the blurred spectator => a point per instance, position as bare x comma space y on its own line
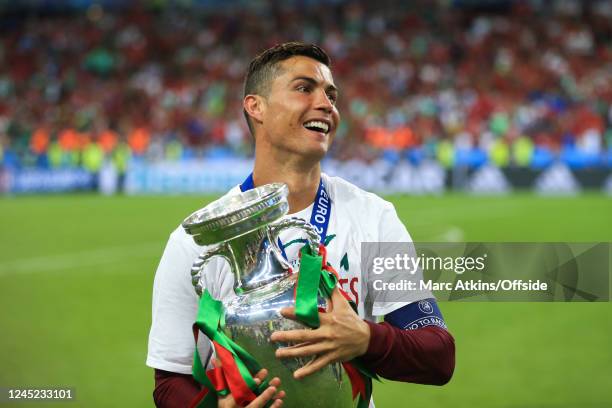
508, 81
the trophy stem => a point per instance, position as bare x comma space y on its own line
256, 260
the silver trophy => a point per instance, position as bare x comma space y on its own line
242, 228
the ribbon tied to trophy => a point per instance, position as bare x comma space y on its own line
236, 373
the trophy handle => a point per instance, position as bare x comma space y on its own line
221, 250
295, 222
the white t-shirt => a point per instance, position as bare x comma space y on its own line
356, 216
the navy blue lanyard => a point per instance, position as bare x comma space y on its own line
321, 210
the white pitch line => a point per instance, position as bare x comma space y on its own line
451, 234
80, 259
426, 217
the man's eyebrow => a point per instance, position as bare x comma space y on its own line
314, 82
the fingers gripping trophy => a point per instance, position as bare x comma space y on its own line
243, 229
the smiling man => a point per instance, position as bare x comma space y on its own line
290, 106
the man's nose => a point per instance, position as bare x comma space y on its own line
323, 102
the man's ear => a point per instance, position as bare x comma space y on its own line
254, 106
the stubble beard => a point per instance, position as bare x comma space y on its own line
297, 152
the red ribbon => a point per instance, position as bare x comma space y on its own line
357, 383
217, 378
327, 267
198, 398
240, 391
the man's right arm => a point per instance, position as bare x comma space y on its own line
175, 306
174, 390
171, 343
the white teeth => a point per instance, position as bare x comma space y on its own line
324, 127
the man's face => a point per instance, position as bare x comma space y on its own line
300, 115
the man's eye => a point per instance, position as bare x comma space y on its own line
332, 97
303, 88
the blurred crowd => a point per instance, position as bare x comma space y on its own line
522, 84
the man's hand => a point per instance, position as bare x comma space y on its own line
342, 336
260, 401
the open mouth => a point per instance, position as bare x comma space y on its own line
317, 126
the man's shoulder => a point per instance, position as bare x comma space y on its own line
183, 242
347, 193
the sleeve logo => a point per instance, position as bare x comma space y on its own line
425, 307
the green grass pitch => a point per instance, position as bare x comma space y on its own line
76, 275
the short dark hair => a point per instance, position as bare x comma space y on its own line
265, 67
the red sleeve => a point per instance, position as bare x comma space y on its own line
422, 356
174, 390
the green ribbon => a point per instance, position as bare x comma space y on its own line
309, 279
313, 281
211, 321
210, 400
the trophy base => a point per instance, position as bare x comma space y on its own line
330, 387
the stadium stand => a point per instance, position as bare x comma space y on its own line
513, 84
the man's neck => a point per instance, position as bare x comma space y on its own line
303, 181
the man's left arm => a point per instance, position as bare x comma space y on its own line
425, 355
412, 345
395, 349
